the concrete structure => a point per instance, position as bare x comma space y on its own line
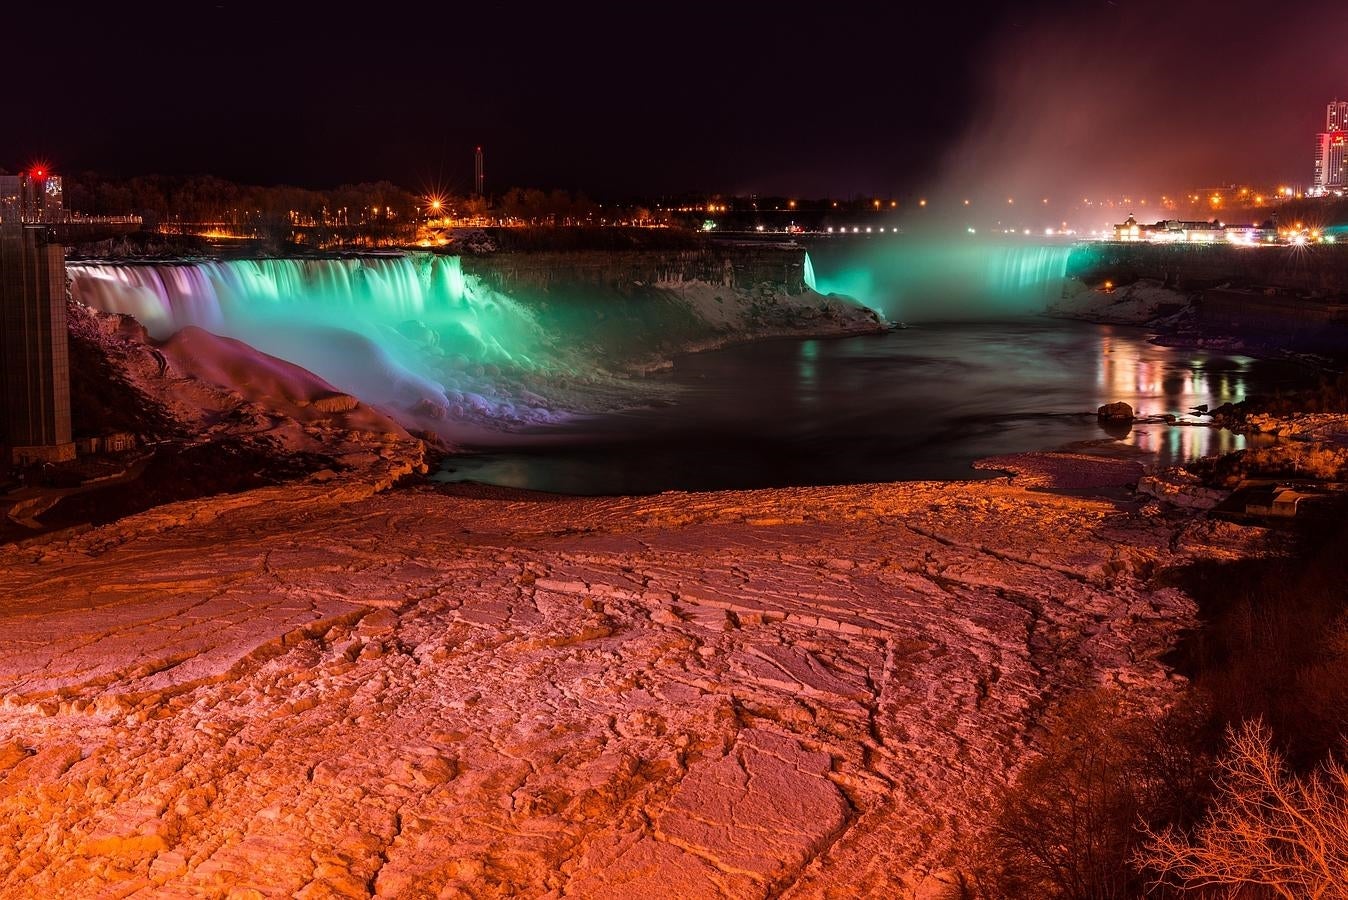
35, 196
34, 349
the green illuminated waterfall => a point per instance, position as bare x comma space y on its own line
931, 280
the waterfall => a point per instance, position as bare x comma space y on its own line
438, 347
943, 280
810, 281
413, 334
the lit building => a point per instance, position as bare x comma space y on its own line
1331, 151
1129, 230
34, 349
35, 196
1171, 231
1336, 116
1331, 162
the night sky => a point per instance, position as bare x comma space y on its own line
616, 100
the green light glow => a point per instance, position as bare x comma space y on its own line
930, 280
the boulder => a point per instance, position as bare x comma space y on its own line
1116, 412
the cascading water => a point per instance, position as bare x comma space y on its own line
442, 349
414, 334
930, 280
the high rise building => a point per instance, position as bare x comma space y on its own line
479, 174
34, 196
1336, 116
34, 348
1331, 165
1331, 162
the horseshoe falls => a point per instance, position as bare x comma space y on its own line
927, 280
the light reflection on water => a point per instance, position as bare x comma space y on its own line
915, 404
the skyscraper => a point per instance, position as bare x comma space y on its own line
34, 349
1331, 162
479, 174
1331, 146
1336, 116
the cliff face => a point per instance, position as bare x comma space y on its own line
1271, 297
762, 269
1320, 270
636, 309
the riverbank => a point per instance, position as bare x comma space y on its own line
310, 688
1267, 301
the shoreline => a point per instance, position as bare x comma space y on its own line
466, 611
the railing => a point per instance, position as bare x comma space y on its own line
76, 219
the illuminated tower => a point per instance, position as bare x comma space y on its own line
1331, 151
1336, 116
34, 349
479, 173
1331, 162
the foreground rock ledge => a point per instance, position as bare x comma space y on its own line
808, 692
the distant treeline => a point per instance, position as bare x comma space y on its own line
206, 199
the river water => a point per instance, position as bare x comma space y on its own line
920, 403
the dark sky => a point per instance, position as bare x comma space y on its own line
810, 98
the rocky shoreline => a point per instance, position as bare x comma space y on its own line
321, 687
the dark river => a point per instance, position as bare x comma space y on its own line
921, 403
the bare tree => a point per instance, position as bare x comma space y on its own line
1266, 828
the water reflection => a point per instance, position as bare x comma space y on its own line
919, 403
808, 377
1166, 378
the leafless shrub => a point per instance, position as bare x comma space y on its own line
1266, 828
1068, 828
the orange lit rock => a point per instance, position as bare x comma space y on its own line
318, 691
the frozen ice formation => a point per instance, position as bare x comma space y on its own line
315, 691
